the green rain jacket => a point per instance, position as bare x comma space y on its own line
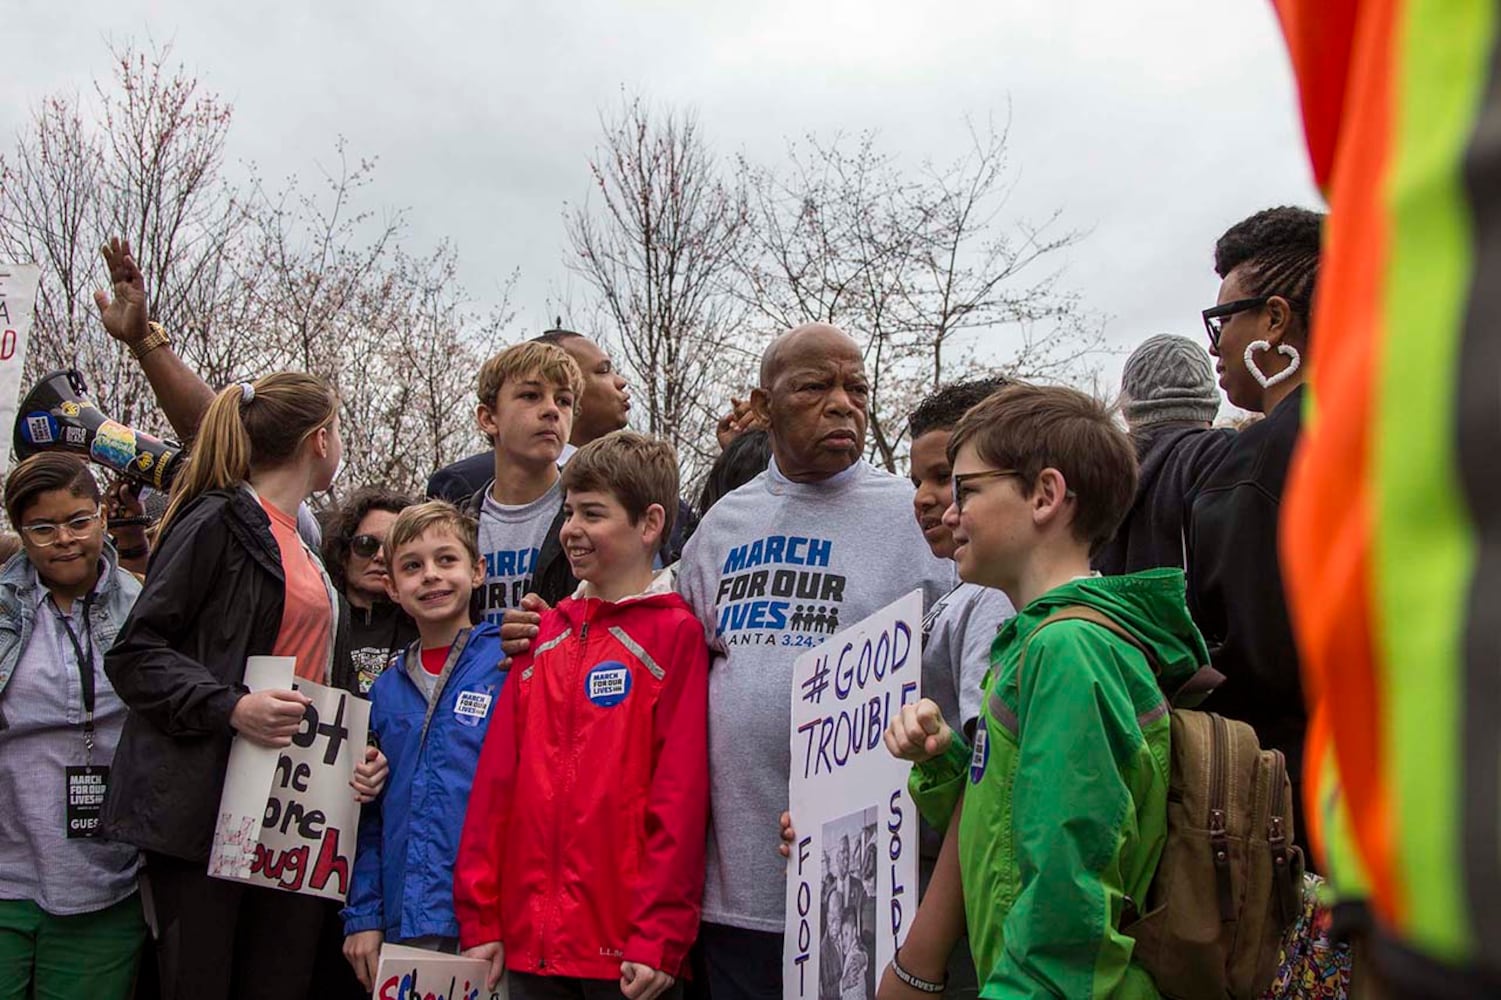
1065, 788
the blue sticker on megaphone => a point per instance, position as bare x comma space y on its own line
41, 428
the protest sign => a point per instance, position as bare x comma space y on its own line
852, 876
288, 818
414, 974
18, 284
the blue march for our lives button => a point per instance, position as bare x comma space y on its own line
608, 684
980, 756
41, 428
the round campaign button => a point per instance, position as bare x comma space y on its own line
608, 684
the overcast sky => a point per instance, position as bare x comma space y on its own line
1153, 125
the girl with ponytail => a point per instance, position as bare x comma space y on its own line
230, 579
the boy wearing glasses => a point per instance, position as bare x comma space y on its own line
1065, 781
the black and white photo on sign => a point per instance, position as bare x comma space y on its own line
847, 935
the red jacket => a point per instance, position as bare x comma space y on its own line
584, 842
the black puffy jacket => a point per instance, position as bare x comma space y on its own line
213, 598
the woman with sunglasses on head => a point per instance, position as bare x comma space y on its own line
1258, 334
70, 914
378, 628
230, 579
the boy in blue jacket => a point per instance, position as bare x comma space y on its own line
429, 710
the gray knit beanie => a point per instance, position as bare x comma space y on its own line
1169, 378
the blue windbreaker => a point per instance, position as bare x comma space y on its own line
409, 836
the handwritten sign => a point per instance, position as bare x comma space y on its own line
18, 285
414, 974
288, 818
852, 878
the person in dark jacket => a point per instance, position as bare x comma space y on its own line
230, 579
352, 552
1169, 399
1258, 333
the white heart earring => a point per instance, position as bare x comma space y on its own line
1287, 350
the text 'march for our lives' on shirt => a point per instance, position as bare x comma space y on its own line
780, 582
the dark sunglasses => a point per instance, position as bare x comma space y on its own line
1215, 317
365, 546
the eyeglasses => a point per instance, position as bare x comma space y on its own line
366, 546
45, 533
969, 477
1215, 317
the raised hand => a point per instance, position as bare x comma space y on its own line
123, 315
740, 419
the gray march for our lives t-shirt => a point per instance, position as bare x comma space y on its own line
510, 540
958, 632
774, 569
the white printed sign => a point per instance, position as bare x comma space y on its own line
288, 818
414, 974
18, 285
852, 877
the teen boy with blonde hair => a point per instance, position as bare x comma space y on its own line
528, 396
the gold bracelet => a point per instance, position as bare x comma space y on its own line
156, 338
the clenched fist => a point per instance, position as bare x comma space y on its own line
918, 733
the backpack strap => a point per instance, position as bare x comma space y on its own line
1200, 684
1186, 695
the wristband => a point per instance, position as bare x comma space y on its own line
156, 338
919, 984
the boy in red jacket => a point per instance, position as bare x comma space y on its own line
581, 866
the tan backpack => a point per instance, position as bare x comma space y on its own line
1229, 882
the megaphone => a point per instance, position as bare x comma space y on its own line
57, 415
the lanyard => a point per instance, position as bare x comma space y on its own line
931, 618
84, 655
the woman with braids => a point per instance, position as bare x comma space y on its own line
230, 579
352, 552
1258, 334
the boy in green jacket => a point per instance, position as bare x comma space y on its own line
1064, 780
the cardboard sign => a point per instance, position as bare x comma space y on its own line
18, 285
852, 877
288, 818
414, 974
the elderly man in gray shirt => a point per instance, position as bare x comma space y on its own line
814, 544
